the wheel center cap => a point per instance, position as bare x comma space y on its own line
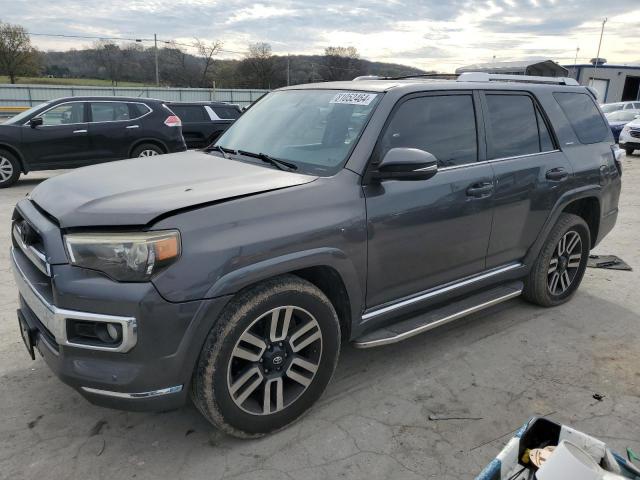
562, 264
274, 359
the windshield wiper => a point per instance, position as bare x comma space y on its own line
276, 162
220, 149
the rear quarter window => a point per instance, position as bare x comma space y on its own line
227, 112
583, 116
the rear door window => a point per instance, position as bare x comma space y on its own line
137, 110
190, 113
512, 122
109, 111
443, 125
584, 117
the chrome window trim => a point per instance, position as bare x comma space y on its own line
150, 394
212, 114
55, 319
150, 110
420, 297
495, 160
36, 256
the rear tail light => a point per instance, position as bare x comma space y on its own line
173, 121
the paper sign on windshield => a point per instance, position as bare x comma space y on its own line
353, 98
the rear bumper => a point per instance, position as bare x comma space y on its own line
153, 373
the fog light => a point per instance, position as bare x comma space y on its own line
113, 332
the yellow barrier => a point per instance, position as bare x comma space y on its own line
13, 109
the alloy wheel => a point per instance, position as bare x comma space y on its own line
564, 263
6, 169
148, 153
275, 360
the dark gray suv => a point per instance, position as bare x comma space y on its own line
363, 212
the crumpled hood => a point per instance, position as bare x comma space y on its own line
135, 192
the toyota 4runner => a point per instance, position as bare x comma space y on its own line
363, 212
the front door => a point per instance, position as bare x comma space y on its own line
422, 234
61, 141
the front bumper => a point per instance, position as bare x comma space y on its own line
153, 367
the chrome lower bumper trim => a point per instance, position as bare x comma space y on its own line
55, 319
151, 394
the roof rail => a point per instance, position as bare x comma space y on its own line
367, 77
489, 77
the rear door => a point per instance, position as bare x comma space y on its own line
111, 128
197, 126
61, 141
531, 172
426, 233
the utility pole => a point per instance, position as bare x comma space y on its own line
155, 48
595, 65
288, 71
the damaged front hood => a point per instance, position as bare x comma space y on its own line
135, 192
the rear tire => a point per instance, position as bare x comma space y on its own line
9, 169
560, 266
629, 151
268, 358
146, 150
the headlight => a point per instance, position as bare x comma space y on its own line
126, 257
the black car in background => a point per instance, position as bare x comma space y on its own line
77, 131
204, 122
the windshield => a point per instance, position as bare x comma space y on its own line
313, 129
21, 116
623, 115
612, 107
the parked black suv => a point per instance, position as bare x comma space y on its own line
77, 131
203, 123
362, 212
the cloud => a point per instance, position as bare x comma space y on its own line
440, 34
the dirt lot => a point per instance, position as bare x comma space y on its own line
495, 370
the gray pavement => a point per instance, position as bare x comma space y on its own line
495, 370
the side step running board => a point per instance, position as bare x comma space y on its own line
435, 318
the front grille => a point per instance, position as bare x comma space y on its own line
27, 239
635, 133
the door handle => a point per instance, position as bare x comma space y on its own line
79, 131
557, 174
133, 126
479, 190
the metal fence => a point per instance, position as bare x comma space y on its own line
30, 95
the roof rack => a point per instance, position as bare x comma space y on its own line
489, 77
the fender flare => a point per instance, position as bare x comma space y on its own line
140, 141
564, 200
15, 151
234, 281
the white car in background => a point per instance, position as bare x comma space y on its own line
614, 107
630, 137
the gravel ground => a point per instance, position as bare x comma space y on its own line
492, 371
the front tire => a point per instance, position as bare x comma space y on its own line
9, 169
268, 358
558, 270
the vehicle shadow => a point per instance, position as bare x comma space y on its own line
392, 387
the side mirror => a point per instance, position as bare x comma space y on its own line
35, 122
407, 164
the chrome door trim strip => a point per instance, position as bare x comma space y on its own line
401, 303
429, 326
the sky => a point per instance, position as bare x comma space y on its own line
429, 34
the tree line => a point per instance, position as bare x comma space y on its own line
177, 67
